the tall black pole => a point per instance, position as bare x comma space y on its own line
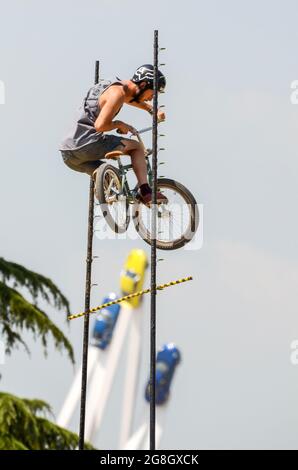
153, 249
87, 301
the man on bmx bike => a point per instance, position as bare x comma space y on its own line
88, 142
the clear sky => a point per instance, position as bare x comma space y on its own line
231, 137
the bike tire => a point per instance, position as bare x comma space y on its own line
193, 219
101, 174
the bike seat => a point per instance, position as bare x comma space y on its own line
114, 155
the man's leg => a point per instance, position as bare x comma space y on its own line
83, 167
130, 147
138, 161
139, 164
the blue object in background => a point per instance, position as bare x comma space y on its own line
105, 323
166, 361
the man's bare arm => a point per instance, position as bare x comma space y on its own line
145, 106
148, 107
109, 104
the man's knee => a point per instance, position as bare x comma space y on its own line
130, 144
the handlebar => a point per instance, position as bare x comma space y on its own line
141, 131
146, 129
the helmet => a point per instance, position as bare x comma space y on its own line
145, 73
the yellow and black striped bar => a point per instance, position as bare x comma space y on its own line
130, 296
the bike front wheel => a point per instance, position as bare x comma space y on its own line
113, 204
177, 221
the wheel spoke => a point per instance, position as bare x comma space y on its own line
110, 186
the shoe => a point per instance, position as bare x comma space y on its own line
147, 199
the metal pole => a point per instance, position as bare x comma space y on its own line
153, 249
87, 301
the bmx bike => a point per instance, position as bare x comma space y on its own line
177, 220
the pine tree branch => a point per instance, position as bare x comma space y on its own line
17, 314
21, 427
34, 282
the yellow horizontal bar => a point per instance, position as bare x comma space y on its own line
130, 296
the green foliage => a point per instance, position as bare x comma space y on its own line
35, 283
23, 422
17, 313
22, 427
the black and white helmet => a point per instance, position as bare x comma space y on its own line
145, 73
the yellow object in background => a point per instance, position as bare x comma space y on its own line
133, 274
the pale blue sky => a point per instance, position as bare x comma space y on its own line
231, 137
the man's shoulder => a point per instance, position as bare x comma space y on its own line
115, 89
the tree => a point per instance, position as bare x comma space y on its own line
22, 427
17, 313
23, 422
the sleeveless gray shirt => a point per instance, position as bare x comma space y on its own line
84, 132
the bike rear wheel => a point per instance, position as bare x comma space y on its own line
177, 221
108, 191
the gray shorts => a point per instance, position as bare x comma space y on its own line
88, 158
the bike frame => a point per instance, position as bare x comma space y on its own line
123, 169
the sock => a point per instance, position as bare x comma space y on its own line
145, 189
